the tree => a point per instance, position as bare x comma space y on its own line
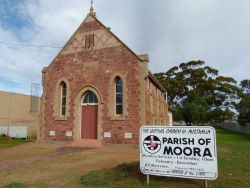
227, 114
245, 85
195, 77
243, 106
199, 92
220, 115
193, 110
244, 110
216, 115
190, 112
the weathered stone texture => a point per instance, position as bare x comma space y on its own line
97, 68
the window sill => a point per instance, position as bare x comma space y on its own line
118, 118
63, 118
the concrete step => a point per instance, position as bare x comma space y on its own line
86, 143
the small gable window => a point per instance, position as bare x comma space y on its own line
89, 41
63, 98
119, 96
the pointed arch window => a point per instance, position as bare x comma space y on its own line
63, 98
119, 96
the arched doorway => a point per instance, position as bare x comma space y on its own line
89, 116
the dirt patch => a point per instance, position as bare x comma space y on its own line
55, 166
29, 160
27, 150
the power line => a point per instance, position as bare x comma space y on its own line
29, 45
39, 46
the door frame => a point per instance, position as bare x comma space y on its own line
78, 112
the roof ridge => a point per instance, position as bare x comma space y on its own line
93, 15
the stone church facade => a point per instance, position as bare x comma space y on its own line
98, 88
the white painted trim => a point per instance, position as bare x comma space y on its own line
90, 104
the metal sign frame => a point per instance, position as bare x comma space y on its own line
161, 160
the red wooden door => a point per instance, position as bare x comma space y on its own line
89, 122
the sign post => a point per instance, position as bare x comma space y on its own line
185, 152
205, 184
147, 179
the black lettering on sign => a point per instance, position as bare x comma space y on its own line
187, 151
168, 150
178, 141
207, 153
197, 152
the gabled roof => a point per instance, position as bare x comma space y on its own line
108, 29
141, 58
93, 15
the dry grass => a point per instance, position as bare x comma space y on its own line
59, 167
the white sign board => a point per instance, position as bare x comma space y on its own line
186, 152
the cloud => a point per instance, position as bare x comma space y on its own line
20, 65
172, 32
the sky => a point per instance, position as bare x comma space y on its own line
170, 31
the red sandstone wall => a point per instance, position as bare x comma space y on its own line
71, 66
156, 108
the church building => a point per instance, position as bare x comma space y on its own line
98, 88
